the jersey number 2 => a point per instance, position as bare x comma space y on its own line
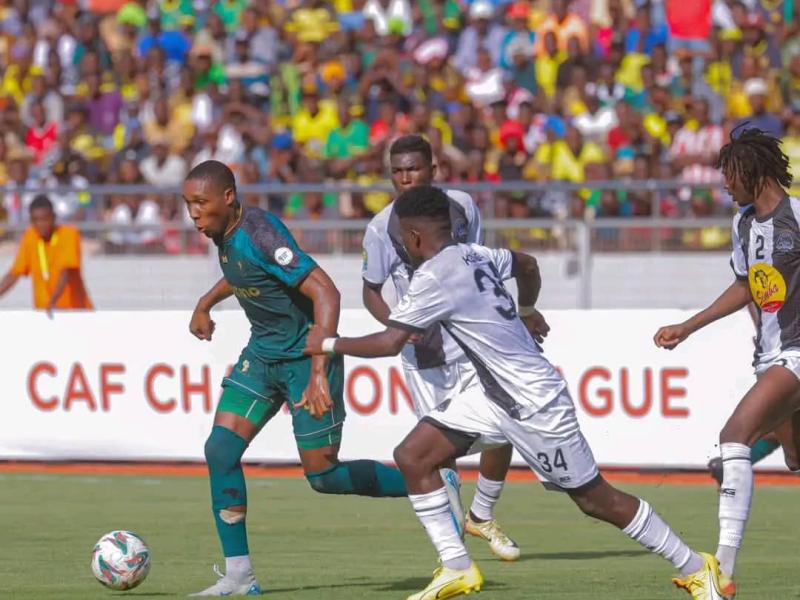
759, 247
508, 311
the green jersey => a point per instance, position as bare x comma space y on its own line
262, 262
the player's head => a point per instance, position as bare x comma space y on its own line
411, 162
43, 217
424, 214
210, 195
752, 161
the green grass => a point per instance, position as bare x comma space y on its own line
308, 546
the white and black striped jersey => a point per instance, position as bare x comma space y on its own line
462, 289
385, 257
766, 253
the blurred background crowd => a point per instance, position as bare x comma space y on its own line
314, 91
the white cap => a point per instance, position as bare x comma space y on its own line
755, 87
481, 9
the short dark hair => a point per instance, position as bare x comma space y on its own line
215, 172
423, 201
40, 201
754, 157
412, 143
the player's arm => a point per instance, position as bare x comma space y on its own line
525, 269
374, 302
736, 297
320, 289
8, 282
201, 325
386, 343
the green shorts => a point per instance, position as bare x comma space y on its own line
256, 390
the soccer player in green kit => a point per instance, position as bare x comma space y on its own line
283, 292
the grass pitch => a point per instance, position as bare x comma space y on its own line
307, 546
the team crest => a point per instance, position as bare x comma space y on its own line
364, 261
283, 256
784, 241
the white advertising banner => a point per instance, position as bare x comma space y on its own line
138, 386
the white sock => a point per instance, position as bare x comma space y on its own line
433, 510
653, 533
238, 567
735, 494
486, 496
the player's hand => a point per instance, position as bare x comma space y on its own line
201, 325
537, 326
670, 336
314, 341
317, 397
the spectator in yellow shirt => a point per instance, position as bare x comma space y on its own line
314, 121
547, 64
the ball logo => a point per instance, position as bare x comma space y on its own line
767, 287
283, 256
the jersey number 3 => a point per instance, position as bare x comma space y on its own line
506, 309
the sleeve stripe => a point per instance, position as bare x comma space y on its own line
405, 326
373, 284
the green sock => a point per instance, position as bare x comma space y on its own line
762, 449
360, 477
224, 450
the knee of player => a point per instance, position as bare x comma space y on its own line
404, 458
324, 483
220, 456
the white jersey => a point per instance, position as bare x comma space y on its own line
766, 254
385, 257
462, 289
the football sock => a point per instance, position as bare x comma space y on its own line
762, 449
487, 493
360, 477
224, 450
238, 567
735, 494
433, 510
653, 533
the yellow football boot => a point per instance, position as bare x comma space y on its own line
449, 583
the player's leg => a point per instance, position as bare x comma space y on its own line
242, 411
552, 444
481, 521
318, 440
420, 456
770, 402
787, 435
758, 452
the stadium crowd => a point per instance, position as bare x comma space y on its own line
287, 91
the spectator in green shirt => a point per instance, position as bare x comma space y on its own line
230, 11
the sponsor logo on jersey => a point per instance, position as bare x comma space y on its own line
364, 261
224, 259
767, 287
784, 241
248, 292
245, 366
283, 256
473, 258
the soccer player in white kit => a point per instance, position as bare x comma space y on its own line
435, 367
518, 396
766, 263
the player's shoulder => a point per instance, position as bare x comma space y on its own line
744, 215
462, 198
380, 222
266, 232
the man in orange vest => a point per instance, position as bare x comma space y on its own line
51, 255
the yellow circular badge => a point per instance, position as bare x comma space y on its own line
767, 287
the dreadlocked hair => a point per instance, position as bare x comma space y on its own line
754, 157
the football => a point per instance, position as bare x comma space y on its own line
120, 560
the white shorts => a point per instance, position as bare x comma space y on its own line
431, 387
789, 358
550, 441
